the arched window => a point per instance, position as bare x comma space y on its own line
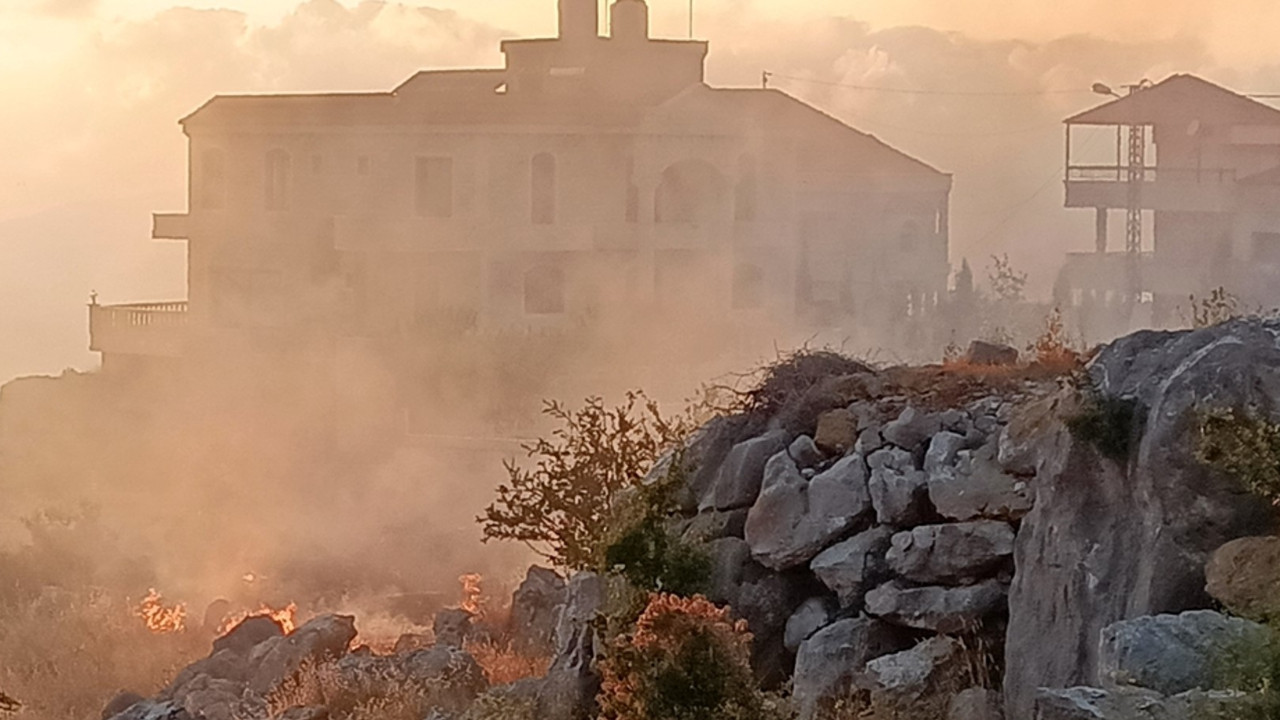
213, 179
691, 192
544, 290
278, 180
746, 192
542, 189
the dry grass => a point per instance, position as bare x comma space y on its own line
502, 665
351, 698
65, 655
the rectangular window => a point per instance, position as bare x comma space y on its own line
434, 187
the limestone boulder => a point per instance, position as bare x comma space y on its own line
805, 452
976, 703
737, 483
854, 566
935, 608
325, 637
794, 518
569, 689
981, 352
912, 428
953, 553
812, 615
975, 486
917, 682
535, 605
1172, 654
830, 664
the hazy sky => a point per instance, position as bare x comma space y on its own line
92, 90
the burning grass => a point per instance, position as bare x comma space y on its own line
502, 665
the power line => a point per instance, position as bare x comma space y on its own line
913, 91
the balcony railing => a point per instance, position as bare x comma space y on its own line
1120, 173
157, 329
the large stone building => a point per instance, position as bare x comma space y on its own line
595, 190
1202, 175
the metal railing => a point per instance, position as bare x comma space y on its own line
163, 314
1120, 173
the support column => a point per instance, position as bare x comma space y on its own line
1100, 229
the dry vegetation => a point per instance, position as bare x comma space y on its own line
503, 665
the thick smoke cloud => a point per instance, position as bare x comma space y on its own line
92, 146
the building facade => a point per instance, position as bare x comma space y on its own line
1205, 187
595, 189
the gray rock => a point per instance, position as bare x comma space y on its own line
900, 497
535, 606
451, 627
148, 710
325, 637
248, 633
891, 458
940, 609
917, 682
942, 451
912, 428
703, 455
454, 676
569, 689
1244, 575
805, 452
852, 567
766, 601
1108, 541
120, 703
730, 559
976, 487
1088, 703
812, 615
715, 524
869, 441
976, 703
987, 353
794, 519
738, 482
1174, 653
829, 664
951, 554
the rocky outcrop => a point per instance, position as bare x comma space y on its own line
1087, 703
916, 683
1112, 540
935, 608
951, 554
568, 691
535, 606
851, 568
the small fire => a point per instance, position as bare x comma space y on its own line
160, 619
473, 600
286, 617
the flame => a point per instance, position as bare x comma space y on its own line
473, 600
286, 617
160, 619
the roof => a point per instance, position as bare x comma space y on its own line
1180, 98
470, 98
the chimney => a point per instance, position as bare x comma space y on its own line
579, 19
629, 21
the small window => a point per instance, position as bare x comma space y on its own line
748, 287
543, 189
362, 165
544, 291
277, 180
434, 187
747, 191
213, 180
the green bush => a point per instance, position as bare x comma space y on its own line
651, 557
561, 507
1243, 445
1251, 665
1110, 424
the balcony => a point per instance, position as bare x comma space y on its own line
1162, 188
151, 329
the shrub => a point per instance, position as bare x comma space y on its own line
561, 506
503, 665
684, 660
1242, 445
1007, 284
496, 706
356, 696
652, 558
1221, 306
1053, 348
1110, 424
1250, 664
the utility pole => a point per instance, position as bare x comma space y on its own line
1134, 174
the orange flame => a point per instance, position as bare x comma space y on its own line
473, 600
160, 619
286, 617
